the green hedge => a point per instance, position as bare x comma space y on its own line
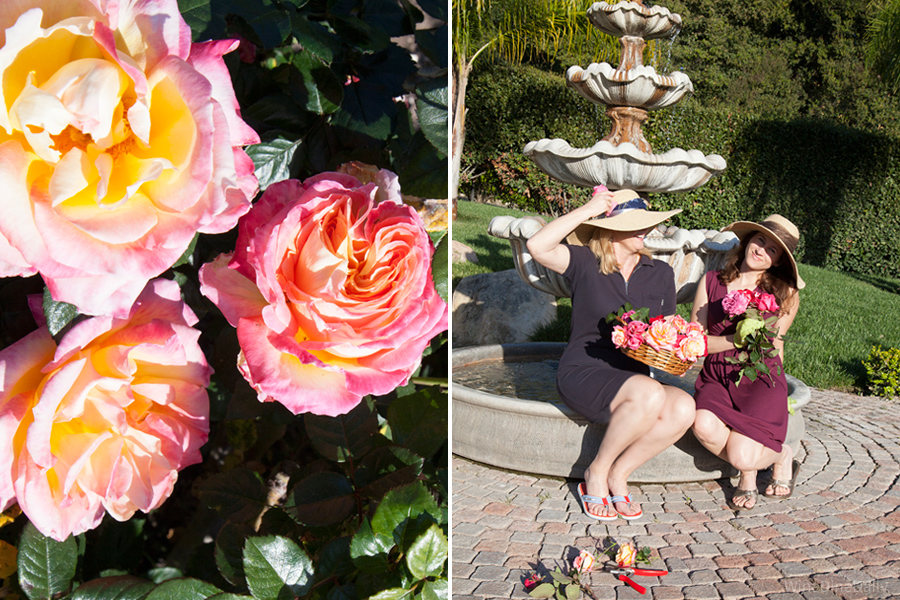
837, 183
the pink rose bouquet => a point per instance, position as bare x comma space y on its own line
330, 291
122, 141
755, 314
672, 334
104, 420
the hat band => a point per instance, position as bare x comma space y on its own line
789, 239
634, 204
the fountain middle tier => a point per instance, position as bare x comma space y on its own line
624, 166
601, 83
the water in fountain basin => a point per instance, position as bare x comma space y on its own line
526, 379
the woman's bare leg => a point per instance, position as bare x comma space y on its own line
748, 456
645, 417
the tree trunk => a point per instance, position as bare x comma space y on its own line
458, 133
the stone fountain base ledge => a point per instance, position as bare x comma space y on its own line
551, 439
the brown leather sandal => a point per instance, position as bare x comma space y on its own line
739, 493
789, 484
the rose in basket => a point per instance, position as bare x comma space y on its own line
755, 331
665, 335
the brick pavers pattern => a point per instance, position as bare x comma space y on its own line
838, 537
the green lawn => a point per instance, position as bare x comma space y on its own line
842, 315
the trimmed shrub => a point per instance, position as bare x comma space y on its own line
883, 372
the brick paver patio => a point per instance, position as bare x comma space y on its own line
837, 537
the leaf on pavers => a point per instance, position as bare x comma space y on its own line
45, 567
185, 588
369, 550
387, 468
428, 553
276, 568
350, 435
236, 494
120, 587
321, 499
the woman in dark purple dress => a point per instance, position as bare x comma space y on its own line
746, 424
606, 266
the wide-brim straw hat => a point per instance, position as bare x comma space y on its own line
779, 229
622, 218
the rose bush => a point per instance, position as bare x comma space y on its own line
120, 141
106, 419
330, 291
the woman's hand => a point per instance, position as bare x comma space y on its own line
601, 202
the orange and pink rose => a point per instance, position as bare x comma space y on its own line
103, 421
330, 290
119, 141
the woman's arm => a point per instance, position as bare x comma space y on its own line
546, 245
784, 322
700, 313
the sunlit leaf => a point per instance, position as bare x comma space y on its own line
369, 550
184, 589
428, 553
276, 568
431, 106
272, 160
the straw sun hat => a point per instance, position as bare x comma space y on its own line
630, 213
779, 229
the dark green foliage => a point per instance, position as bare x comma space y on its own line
780, 92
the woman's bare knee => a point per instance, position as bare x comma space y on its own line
708, 427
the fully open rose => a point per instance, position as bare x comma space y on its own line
330, 291
119, 141
105, 420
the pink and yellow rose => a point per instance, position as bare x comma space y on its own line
691, 347
626, 555
330, 291
103, 421
119, 141
584, 562
661, 335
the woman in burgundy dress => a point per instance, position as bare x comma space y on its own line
746, 424
606, 266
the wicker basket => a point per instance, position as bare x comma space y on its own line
664, 360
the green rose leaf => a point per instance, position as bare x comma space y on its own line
315, 38
321, 499
276, 568
318, 89
400, 510
387, 468
369, 550
433, 43
45, 567
428, 554
431, 105
236, 494
269, 21
120, 587
440, 268
350, 435
422, 171
161, 574
228, 596
272, 160
438, 589
334, 559
393, 594
58, 314
544, 590
360, 34
573, 592
184, 589
419, 421
229, 552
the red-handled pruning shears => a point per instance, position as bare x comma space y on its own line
624, 575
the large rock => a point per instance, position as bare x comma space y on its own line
498, 308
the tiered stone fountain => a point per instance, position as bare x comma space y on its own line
545, 436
